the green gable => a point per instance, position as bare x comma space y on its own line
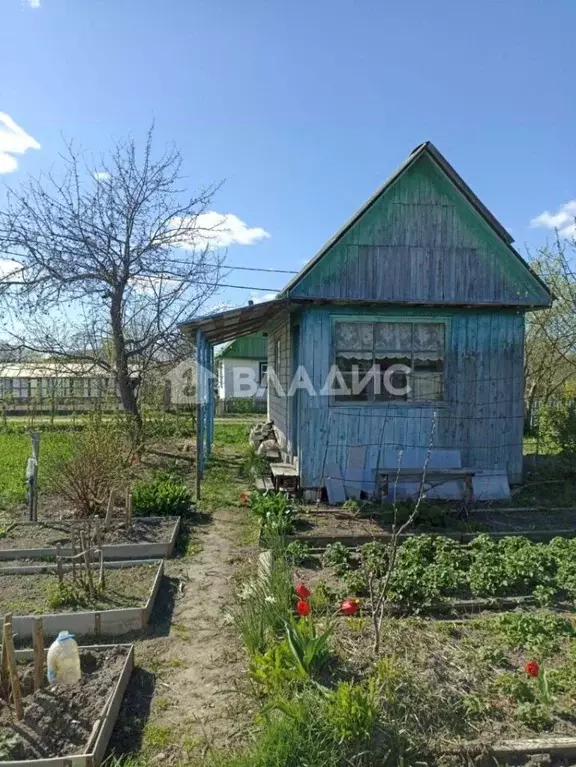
424, 237
253, 347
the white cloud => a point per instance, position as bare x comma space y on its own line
33, 3
563, 220
8, 267
13, 140
101, 175
223, 229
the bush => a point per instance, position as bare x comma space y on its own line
160, 496
97, 460
275, 512
557, 425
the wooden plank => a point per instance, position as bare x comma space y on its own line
334, 484
354, 480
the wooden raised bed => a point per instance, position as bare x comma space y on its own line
103, 622
102, 727
112, 551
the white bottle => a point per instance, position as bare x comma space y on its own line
64, 660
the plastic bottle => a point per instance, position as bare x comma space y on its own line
64, 660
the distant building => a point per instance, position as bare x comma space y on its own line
47, 381
241, 367
180, 385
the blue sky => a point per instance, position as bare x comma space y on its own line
303, 107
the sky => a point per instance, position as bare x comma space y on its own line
302, 108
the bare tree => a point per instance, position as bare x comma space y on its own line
113, 257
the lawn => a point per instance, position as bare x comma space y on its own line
15, 450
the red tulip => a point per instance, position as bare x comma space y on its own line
302, 591
349, 607
532, 668
302, 608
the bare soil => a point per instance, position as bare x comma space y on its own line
342, 523
58, 720
49, 534
29, 593
189, 687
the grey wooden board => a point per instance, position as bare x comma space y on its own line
354, 480
415, 458
491, 485
334, 484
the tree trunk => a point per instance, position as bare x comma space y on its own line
122, 371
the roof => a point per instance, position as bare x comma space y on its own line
252, 347
429, 149
234, 323
51, 369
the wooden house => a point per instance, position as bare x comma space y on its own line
424, 284
241, 367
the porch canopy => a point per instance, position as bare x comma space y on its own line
215, 329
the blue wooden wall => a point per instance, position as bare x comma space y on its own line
482, 414
205, 399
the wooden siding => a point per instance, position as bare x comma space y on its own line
422, 241
278, 403
482, 414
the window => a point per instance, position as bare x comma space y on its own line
262, 371
21, 388
390, 361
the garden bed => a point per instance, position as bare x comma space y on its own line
68, 726
147, 537
436, 572
467, 682
321, 527
125, 605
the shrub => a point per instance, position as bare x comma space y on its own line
65, 595
338, 556
161, 495
97, 461
557, 425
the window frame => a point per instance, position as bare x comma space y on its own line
262, 371
414, 320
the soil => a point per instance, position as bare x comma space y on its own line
337, 523
29, 593
49, 534
58, 720
192, 666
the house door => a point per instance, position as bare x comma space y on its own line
295, 412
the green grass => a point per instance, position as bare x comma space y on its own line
227, 474
15, 450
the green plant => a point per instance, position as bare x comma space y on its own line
535, 632
374, 558
534, 715
309, 648
353, 710
161, 495
65, 595
338, 556
275, 512
298, 552
3, 532
267, 603
274, 670
355, 582
9, 743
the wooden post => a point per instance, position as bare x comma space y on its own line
32, 478
109, 509
4, 673
101, 581
38, 644
128, 506
8, 641
73, 548
198, 451
59, 568
86, 556
97, 532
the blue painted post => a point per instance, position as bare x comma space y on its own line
199, 442
210, 428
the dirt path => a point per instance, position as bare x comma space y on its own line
185, 696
